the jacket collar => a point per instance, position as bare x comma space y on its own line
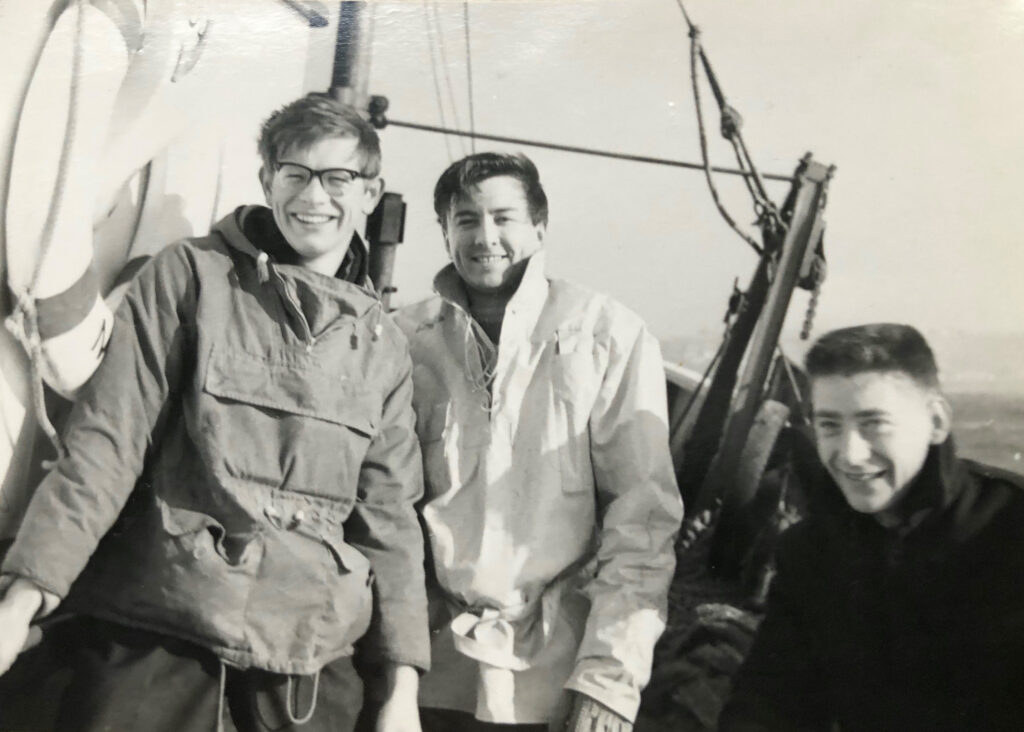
939, 483
523, 308
361, 294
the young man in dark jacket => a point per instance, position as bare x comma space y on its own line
899, 602
237, 504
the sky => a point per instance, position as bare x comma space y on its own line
918, 104
914, 102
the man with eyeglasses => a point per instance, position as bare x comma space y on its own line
237, 506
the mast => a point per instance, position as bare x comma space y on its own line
351, 76
350, 80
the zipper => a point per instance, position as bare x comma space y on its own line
292, 304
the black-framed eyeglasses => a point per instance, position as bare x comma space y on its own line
334, 180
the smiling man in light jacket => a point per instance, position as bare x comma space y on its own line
551, 505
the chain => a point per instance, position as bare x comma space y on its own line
812, 307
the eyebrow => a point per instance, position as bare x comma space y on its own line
828, 414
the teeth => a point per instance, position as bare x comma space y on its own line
313, 218
860, 477
487, 258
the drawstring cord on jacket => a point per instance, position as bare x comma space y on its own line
220, 695
481, 370
291, 703
293, 700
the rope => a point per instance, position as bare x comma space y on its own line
581, 150
293, 700
694, 49
446, 68
221, 690
731, 122
486, 356
24, 321
685, 14
46, 238
469, 76
437, 81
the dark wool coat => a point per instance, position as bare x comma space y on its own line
915, 628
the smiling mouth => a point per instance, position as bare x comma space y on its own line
312, 218
488, 258
862, 477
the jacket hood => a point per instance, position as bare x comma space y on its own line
359, 295
233, 228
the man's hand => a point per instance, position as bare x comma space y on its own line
19, 605
399, 711
587, 715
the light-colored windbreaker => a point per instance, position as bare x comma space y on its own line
551, 504
246, 452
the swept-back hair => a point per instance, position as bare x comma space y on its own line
466, 173
886, 347
315, 117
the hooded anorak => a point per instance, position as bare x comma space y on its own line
243, 466
551, 504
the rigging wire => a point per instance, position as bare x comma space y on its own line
765, 209
681, 419
694, 46
437, 82
583, 150
441, 47
469, 75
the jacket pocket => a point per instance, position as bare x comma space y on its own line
350, 598
575, 380
574, 376
286, 424
205, 538
204, 574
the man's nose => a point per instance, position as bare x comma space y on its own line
314, 190
853, 448
487, 231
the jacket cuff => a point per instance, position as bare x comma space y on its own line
50, 600
607, 683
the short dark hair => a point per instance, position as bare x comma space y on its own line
886, 347
466, 173
315, 117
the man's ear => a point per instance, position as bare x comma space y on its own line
265, 182
373, 189
942, 418
542, 230
444, 235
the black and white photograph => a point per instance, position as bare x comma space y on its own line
511, 366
